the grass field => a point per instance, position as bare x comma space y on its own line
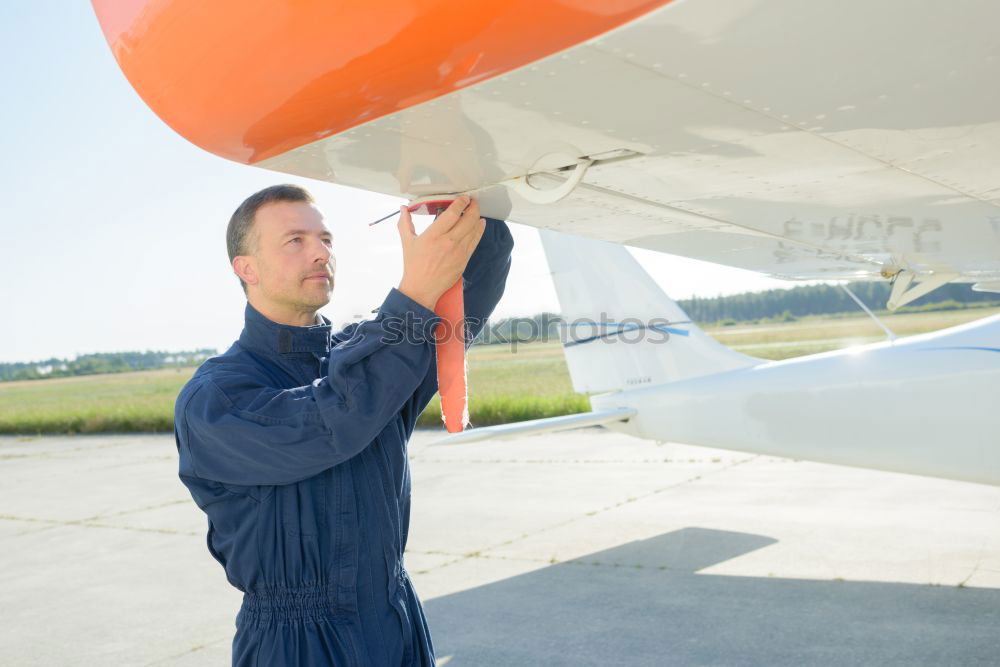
505, 384
116, 402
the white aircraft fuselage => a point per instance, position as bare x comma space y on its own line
926, 404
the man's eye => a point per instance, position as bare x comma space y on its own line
297, 238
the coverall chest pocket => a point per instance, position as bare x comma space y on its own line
303, 506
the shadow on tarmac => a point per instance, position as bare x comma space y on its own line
644, 603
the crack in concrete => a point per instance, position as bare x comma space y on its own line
546, 561
193, 649
975, 568
565, 461
53, 523
89, 523
138, 461
61, 452
104, 515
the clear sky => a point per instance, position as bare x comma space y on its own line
113, 226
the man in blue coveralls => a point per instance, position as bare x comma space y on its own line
293, 441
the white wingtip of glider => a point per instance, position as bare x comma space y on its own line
536, 426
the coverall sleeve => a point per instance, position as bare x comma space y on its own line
236, 430
483, 283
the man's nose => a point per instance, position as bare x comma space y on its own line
323, 252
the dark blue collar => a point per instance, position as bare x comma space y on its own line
260, 333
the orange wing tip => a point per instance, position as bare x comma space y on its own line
237, 82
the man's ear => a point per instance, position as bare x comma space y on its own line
245, 266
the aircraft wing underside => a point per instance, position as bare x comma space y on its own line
819, 140
788, 138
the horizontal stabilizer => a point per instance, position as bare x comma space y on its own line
535, 426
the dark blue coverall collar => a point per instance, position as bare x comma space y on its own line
265, 335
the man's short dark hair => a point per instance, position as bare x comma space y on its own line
240, 229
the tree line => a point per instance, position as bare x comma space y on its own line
102, 362
825, 300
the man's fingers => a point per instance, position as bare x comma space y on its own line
405, 224
472, 240
449, 217
467, 224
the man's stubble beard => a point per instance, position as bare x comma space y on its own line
300, 299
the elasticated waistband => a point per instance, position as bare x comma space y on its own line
282, 604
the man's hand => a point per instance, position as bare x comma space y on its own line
434, 260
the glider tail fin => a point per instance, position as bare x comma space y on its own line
619, 329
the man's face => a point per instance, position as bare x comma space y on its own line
292, 247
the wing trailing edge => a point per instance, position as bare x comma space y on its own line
536, 426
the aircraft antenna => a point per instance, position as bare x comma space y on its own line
888, 332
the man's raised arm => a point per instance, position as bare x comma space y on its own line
233, 428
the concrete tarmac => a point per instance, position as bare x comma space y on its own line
580, 548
